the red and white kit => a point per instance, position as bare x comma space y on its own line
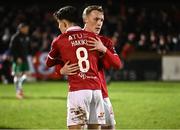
85, 86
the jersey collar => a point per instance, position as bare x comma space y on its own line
74, 28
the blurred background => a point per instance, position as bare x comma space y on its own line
146, 36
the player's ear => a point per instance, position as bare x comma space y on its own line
85, 20
64, 23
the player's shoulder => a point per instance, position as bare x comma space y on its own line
105, 40
102, 37
58, 39
90, 33
55, 39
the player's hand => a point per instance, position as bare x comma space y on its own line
96, 44
69, 69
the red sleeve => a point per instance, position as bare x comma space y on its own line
57, 70
110, 58
53, 57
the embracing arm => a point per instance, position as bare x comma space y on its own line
110, 57
67, 69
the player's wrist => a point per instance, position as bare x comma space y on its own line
61, 72
104, 49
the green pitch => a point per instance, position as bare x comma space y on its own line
145, 105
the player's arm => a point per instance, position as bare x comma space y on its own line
110, 58
53, 57
67, 69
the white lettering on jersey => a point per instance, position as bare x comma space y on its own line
70, 38
79, 42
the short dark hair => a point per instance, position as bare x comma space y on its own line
68, 13
90, 8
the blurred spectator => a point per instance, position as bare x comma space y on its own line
153, 41
5, 39
36, 41
142, 44
129, 46
5, 68
162, 47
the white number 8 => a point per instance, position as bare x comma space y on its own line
82, 59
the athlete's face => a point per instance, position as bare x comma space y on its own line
25, 29
94, 21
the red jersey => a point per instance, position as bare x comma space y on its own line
104, 88
110, 59
71, 46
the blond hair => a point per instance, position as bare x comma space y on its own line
90, 8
